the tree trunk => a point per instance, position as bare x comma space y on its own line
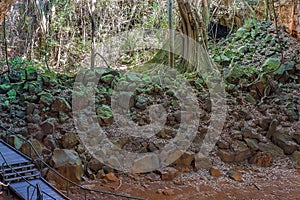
194, 25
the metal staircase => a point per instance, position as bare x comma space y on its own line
23, 173
23, 177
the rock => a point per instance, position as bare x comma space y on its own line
292, 112
168, 173
243, 49
61, 105
48, 126
31, 73
296, 157
68, 163
262, 159
30, 107
215, 172
222, 144
235, 175
285, 141
226, 155
185, 160
63, 117
105, 115
141, 102
264, 123
108, 78
26, 148
168, 192
70, 140
46, 99
252, 144
242, 152
272, 128
274, 150
146, 163
49, 142
271, 64
201, 162
296, 137
100, 174
4, 88
95, 165
111, 177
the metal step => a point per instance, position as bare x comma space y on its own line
18, 167
17, 173
21, 178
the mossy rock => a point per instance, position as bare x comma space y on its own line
46, 98
271, 64
4, 88
12, 94
31, 73
105, 114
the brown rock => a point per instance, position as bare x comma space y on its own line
215, 172
48, 126
274, 150
70, 140
226, 155
26, 148
222, 144
185, 161
100, 174
68, 163
242, 152
235, 175
296, 156
60, 105
111, 177
95, 165
262, 159
168, 173
201, 162
168, 192
272, 128
285, 141
252, 144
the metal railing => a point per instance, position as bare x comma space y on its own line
5, 164
39, 160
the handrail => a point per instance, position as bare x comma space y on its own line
28, 190
40, 159
21, 176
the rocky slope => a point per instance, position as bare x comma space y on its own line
262, 122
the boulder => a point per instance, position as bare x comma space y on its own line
48, 126
31, 73
61, 105
95, 165
285, 141
201, 162
274, 150
168, 173
105, 115
226, 155
68, 163
296, 157
46, 99
242, 152
262, 159
26, 148
185, 161
70, 140
235, 175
